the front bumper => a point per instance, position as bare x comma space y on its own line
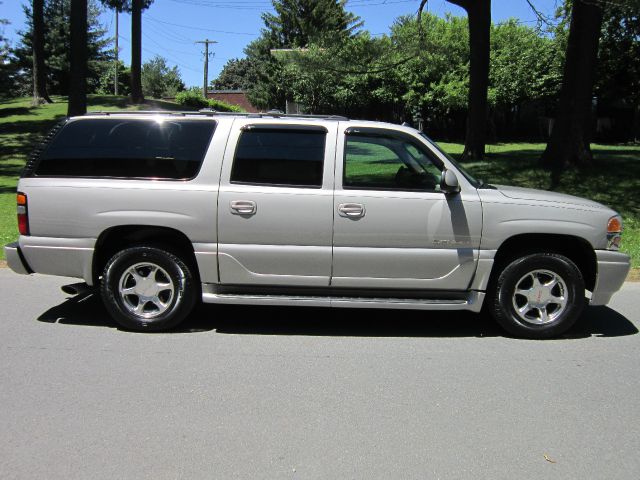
16, 260
613, 268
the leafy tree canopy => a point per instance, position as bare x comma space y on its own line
56, 37
237, 74
158, 80
297, 23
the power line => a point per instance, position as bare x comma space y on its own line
171, 59
190, 27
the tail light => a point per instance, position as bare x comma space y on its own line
23, 214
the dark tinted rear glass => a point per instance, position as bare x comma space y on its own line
280, 157
128, 148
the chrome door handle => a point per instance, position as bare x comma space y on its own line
351, 210
243, 207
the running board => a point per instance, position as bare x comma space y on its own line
473, 302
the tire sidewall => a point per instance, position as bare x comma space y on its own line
179, 274
504, 311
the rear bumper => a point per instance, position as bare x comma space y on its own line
15, 259
613, 268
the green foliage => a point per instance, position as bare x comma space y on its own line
8, 69
423, 69
524, 65
618, 80
124, 5
105, 84
295, 24
298, 23
237, 74
158, 80
330, 80
57, 38
221, 106
193, 98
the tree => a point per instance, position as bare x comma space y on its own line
526, 68
40, 94
7, 66
618, 79
295, 24
237, 74
78, 91
105, 82
569, 142
158, 80
479, 14
57, 18
135, 7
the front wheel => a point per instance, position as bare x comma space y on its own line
147, 289
540, 295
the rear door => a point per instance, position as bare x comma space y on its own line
394, 228
275, 209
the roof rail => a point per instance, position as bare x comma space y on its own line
274, 113
210, 112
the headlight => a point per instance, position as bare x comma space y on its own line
614, 232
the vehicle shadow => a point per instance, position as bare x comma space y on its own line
87, 309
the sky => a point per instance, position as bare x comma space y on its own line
170, 28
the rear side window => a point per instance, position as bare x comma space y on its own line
280, 156
127, 148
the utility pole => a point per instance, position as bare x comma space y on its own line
115, 71
206, 64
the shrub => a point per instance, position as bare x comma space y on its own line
191, 98
221, 106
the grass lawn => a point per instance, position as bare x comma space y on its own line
614, 180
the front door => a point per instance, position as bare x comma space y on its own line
394, 228
275, 204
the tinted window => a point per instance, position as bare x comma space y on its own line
130, 148
280, 157
385, 162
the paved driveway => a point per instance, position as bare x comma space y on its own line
298, 393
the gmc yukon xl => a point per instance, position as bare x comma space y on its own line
160, 210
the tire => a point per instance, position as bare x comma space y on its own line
148, 289
537, 296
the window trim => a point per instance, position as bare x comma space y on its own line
288, 128
393, 135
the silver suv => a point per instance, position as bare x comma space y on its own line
161, 210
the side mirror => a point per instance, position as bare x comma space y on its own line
449, 182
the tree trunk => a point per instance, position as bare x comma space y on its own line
40, 94
136, 51
569, 142
479, 14
636, 124
78, 54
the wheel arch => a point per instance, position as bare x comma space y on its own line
576, 249
114, 239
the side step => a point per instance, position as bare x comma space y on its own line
473, 302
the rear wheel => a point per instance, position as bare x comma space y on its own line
540, 295
148, 289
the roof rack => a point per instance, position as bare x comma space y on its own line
210, 112
275, 114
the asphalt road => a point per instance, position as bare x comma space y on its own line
298, 393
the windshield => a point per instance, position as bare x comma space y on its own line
466, 174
